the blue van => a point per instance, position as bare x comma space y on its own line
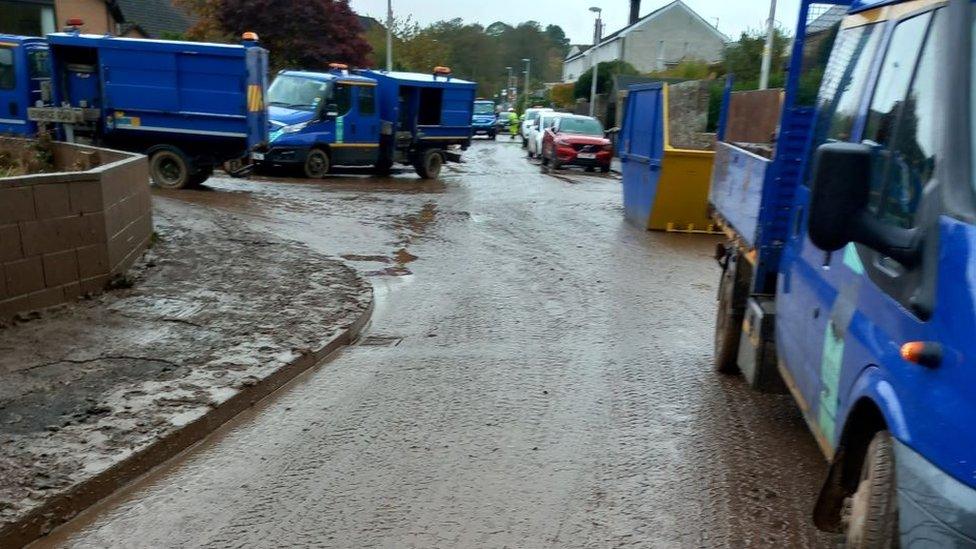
849, 278
367, 118
485, 119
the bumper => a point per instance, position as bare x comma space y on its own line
483, 130
934, 509
280, 156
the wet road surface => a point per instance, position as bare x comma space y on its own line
536, 374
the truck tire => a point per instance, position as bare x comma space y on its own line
169, 168
200, 176
871, 514
429, 164
317, 164
733, 291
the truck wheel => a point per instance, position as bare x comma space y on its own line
169, 168
198, 177
733, 291
872, 512
429, 164
317, 164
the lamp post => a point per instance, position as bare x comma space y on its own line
389, 35
597, 31
528, 68
508, 86
767, 59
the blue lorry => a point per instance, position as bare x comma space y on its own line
24, 73
188, 106
367, 118
484, 121
849, 277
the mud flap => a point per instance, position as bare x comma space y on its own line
828, 511
757, 348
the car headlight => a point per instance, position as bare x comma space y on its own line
294, 128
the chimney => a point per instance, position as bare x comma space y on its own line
634, 11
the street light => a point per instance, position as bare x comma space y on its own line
528, 67
389, 35
597, 31
767, 59
508, 85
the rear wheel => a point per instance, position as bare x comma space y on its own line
872, 512
169, 168
733, 291
317, 164
428, 165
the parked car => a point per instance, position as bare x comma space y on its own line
578, 141
538, 129
530, 116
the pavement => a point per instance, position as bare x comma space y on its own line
537, 373
99, 391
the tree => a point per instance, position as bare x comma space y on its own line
604, 77
307, 34
743, 58
563, 95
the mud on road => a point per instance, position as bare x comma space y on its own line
537, 374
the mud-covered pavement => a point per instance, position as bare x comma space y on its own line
537, 374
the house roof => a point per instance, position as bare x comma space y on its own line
153, 17
652, 15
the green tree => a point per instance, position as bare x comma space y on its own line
743, 59
604, 77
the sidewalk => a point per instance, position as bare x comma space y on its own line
96, 392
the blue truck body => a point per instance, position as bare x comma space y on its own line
24, 71
197, 104
874, 341
367, 118
485, 119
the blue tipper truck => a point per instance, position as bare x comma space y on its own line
849, 277
24, 74
367, 118
188, 106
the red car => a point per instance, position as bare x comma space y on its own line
578, 141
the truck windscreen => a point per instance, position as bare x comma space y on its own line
297, 92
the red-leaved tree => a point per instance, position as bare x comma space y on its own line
300, 34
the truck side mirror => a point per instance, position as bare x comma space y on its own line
838, 205
332, 110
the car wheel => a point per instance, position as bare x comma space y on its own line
605, 169
317, 164
871, 514
169, 168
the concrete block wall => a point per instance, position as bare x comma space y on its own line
63, 235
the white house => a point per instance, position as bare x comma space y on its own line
659, 40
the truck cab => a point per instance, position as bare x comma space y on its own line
334, 111
367, 118
484, 120
868, 311
25, 75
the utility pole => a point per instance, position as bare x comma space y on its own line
528, 68
597, 32
508, 87
389, 35
767, 59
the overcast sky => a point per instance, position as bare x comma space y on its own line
734, 16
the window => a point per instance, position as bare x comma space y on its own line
8, 79
342, 97
843, 84
912, 136
816, 53
367, 100
26, 18
296, 92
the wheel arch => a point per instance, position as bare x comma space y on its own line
874, 406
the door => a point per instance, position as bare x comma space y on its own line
13, 90
833, 302
641, 151
364, 127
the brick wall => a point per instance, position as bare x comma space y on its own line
66, 234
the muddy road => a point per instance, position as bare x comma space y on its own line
536, 374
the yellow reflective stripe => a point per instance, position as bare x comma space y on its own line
886, 13
255, 100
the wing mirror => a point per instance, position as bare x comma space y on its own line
332, 110
839, 211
